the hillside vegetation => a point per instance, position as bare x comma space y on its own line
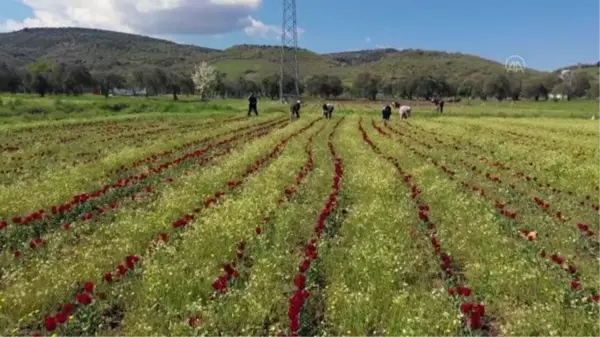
102, 50
68, 58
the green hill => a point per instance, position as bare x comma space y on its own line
100, 50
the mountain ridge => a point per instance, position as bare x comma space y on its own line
104, 50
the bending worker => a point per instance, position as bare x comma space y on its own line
295, 110
328, 110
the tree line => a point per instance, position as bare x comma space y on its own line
44, 78
501, 86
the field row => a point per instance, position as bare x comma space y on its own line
263, 226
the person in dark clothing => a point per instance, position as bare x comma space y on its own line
386, 112
295, 110
439, 103
252, 105
328, 110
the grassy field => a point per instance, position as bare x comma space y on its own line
181, 218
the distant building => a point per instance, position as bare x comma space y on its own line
557, 97
129, 92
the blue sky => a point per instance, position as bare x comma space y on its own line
546, 34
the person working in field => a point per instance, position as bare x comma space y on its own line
404, 110
386, 112
328, 110
252, 104
439, 104
295, 110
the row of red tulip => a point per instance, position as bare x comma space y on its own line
84, 197
68, 212
528, 234
17, 163
100, 211
105, 207
131, 261
222, 283
519, 174
545, 206
301, 294
474, 311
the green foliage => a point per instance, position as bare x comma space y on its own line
324, 86
366, 85
65, 56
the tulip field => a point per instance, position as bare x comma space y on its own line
222, 224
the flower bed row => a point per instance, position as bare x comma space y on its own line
575, 282
474, 311
543, 205
152, 185
301, 294
42, 221
519, 174
230, 273
131, 262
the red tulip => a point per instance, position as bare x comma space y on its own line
300, 281
68, 308
50, 323
575, 284
258, 230
122, 269
84, 298
89, 287
62, 317
466, 307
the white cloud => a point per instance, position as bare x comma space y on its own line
259, 29
149, 17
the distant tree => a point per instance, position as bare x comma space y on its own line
477, 89
534, 88
40, 84
497, 86
335, 86
515, 84
108, 80
156, 79
366, 85
251, 87
10, 79
594, 91
549, 82
41, 73
429, 86
138, 80
466, 88
387, 86
187, 84
226, 87
174, 83
411, 84
324, 86
562, 89
270, 86
579, 84
205, 80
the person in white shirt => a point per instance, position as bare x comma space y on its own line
328, 110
